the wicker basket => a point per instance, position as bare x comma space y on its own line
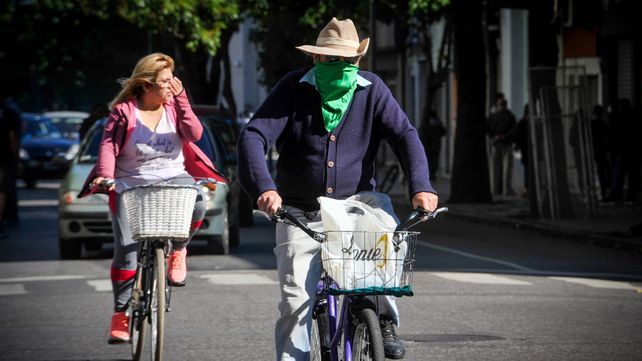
160, 211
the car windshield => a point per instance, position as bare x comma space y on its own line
41, 128
69, 126
224, 129
205, 144
89, 150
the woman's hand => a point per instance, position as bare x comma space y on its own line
176, 86
97, 184
269, 202
425, 200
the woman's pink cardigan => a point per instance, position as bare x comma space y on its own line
118, 130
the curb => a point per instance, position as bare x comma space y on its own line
591, 238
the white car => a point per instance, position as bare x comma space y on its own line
67, 121
86, 221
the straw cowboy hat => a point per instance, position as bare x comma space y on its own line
338, 38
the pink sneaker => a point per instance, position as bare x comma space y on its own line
119, 332
177, 267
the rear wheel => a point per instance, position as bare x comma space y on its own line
157, 309
367, 342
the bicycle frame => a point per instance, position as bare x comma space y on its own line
341, 324
144, 269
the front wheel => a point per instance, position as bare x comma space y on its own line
157, 307
320, 338
367, 342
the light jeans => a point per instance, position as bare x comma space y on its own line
299, 269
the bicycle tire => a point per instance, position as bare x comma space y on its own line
320, 335
367, 341
137, 318
157, 305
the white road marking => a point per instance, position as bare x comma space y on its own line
474, 256
41, 278
38, 203
12, 289
238, 279
480, 278
597, 283
100, 285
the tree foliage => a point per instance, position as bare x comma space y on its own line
54, 47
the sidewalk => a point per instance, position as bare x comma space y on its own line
612, 228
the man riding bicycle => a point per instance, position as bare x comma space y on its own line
327, 123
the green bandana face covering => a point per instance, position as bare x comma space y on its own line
336, 82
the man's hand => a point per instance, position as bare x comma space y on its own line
269, 202
425, 200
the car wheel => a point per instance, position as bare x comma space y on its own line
70, 248
220, 244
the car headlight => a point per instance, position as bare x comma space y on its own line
72, 151
24, 155
71, 197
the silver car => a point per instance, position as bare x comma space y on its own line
86, 222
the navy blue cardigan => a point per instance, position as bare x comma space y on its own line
313, 162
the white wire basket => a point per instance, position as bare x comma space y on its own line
368, 263
160, 211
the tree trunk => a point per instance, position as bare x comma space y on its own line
470, 180
227, 81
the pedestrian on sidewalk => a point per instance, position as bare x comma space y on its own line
499, 126
519, 134
148, 137
327, 122
10, 131
599, 133
626, 153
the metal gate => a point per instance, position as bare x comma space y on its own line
560, 143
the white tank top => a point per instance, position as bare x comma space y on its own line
150, 156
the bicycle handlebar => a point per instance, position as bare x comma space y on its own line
210, 183
417, 216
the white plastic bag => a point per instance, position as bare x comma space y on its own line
359, 252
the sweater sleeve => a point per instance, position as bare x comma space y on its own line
403, 140
260, 135
112, 134
189, 126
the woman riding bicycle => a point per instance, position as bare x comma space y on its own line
149, 137
327, 122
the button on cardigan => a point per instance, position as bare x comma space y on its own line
313, 162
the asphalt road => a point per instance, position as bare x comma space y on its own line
482, 293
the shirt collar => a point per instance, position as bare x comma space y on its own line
310, 78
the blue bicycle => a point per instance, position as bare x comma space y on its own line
345, 318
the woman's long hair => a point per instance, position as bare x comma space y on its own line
144, 75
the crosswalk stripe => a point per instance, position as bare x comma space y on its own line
238, 279
597, 283
41, 278
12, 289
100, 285
480, 278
